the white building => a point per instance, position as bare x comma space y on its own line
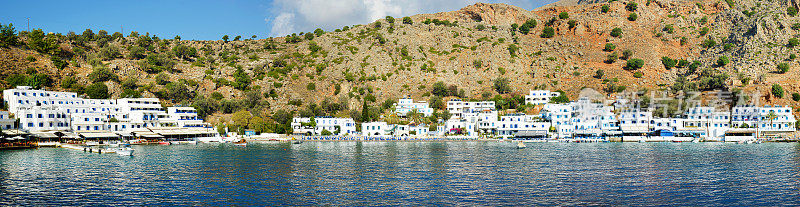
406, 105
6, 122
183, 117
375, 129
560, 117
331, 124
540, 97
510, 125
41, 110
714, 122
782, 121
456, 106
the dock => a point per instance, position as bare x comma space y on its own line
86, 149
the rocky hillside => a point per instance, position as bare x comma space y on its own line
616, 46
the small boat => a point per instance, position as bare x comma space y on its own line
124, 151
297, 142
696, 141
241, 143
164, 143
138, 141
521, 145
642, 141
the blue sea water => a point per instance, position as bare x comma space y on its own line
408, 173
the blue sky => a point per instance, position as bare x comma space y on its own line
210, 20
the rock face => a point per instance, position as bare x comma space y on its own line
475, 46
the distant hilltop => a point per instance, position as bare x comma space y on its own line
480, 52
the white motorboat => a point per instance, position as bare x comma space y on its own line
521, 145
124, 151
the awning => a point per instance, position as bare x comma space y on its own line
45, 135
531, 133
13, 132
94, 135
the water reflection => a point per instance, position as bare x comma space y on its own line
400, 173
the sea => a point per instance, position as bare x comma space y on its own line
408, 174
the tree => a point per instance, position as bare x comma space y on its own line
37, 41
225, 38
561, 98
102, 74
309, 36
15, 80
97, 90
633, 17
709, 43
177, 91
39, 80
634, 64
616, 32
605, 9
631, 6
58, 62
548, 32
572, 23
136, 52
777, 90
8, 36
237, 38
162, 78
325, 132
563, 15
184, 52
319, 32
242, 80
791, 11
480, 27
439, 89
407, 20
783, 68
612, 58
436, 102
241, 119
796, 96
501, 85
109, 53
88, 34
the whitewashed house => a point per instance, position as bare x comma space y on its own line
456, 107
331, 124
406, 105
540, 97
375, 129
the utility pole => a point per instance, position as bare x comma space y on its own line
29, 24
122, 30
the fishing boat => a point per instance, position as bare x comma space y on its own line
164, 143
241, 143
138, 141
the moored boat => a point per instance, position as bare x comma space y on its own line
241, 143
521, 145
164, 143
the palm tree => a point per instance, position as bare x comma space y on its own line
415, 116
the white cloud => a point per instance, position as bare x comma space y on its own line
294, 16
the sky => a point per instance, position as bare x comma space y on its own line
210, 20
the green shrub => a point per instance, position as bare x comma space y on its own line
627, 54
616, 32
796, 96
609, 47
612, 58
634, 64
669, 63
722, 61
605, 8
709, 43
97, 90
102, 74
311, 86
633, 17
783, 68
407, 20
572, 23
793, 42
791, 11
631, 6
548, 32
599, 73
777, 90
563, 15
58, 62
637, 74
